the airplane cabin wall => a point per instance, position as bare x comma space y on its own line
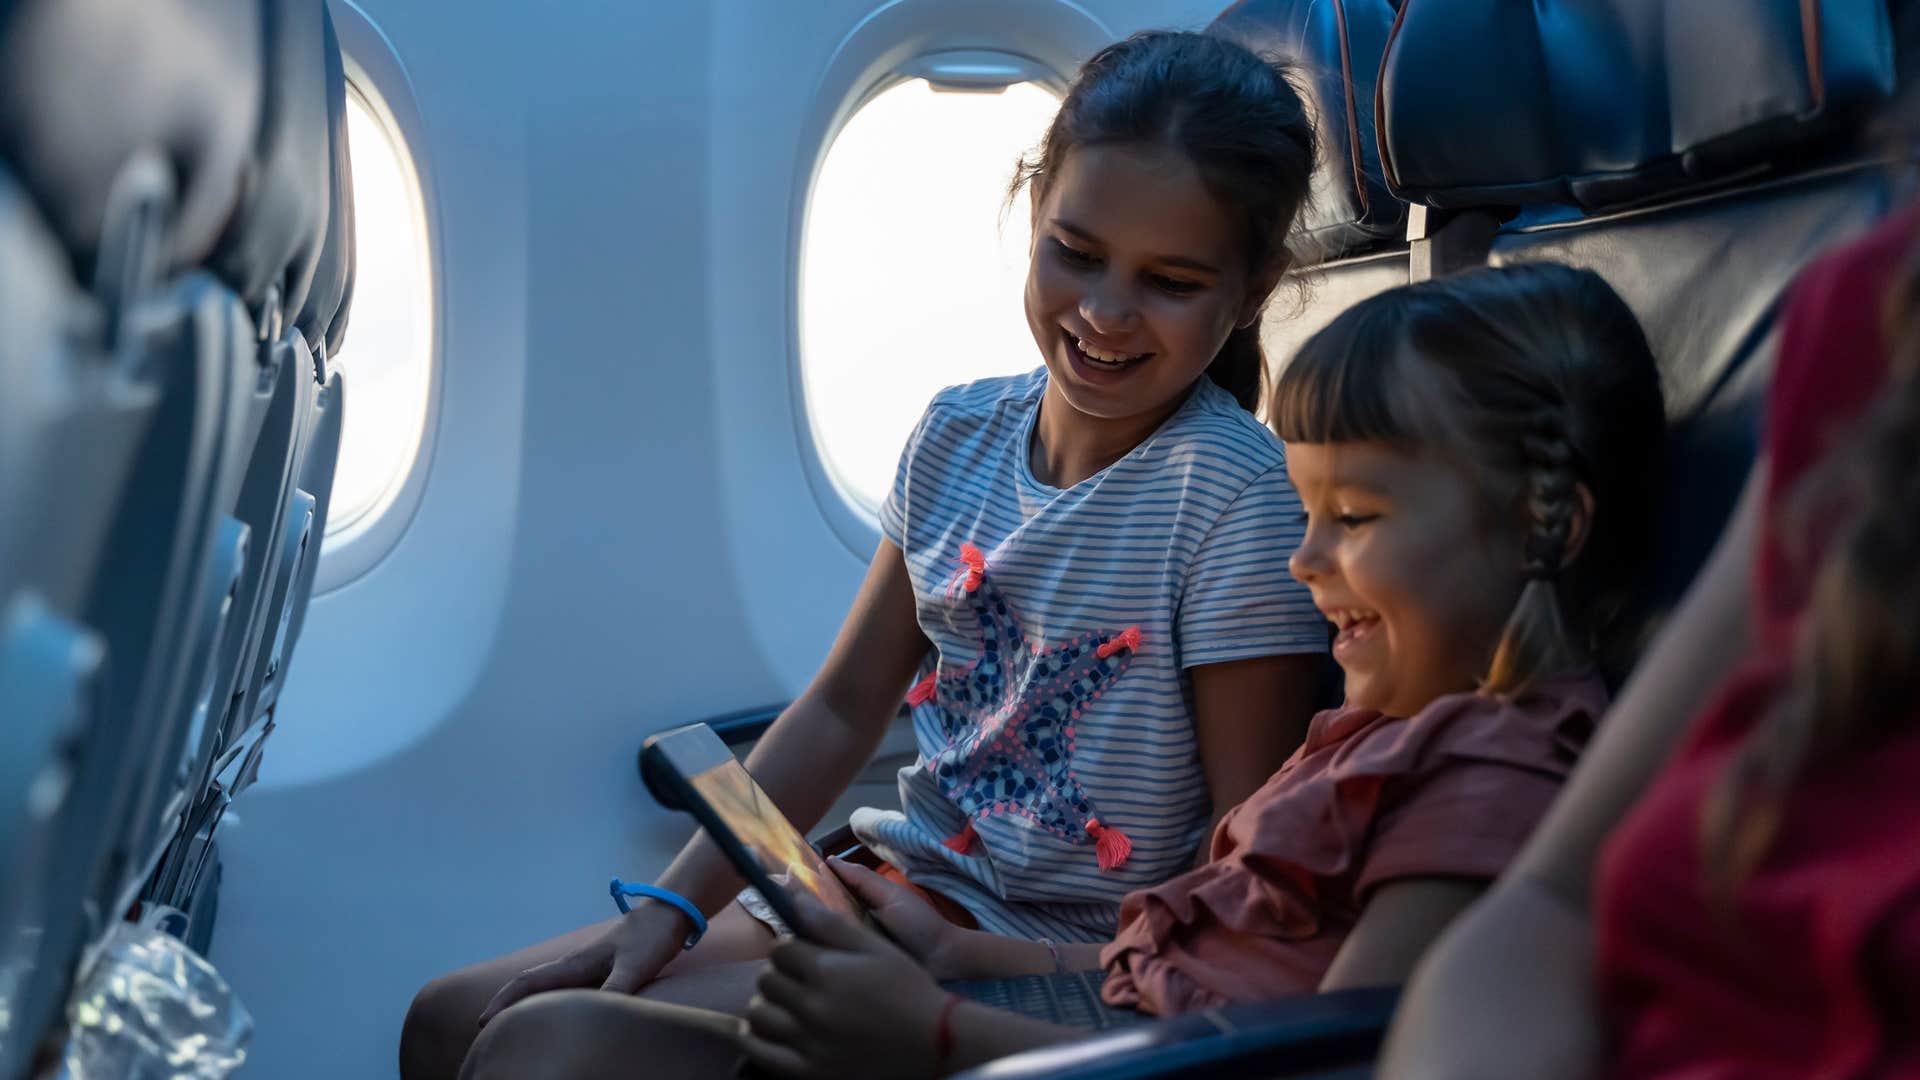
617, 534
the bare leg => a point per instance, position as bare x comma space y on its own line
721, 988
590, 1035
444, 1018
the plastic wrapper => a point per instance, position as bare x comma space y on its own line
152, 1009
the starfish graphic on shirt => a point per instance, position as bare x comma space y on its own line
1009, 719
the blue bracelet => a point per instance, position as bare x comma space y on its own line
621, 890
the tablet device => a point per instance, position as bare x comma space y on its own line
690, 769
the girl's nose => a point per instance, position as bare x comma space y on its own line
1308, 563
1108, 312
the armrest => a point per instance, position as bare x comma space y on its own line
1296, 1037
737, 729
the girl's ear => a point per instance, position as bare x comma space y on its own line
1260, 290
1580, 526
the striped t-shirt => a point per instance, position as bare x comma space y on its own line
1054, 718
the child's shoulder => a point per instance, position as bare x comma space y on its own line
1543, 730
1214, 434
987, 397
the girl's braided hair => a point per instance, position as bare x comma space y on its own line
1536, 377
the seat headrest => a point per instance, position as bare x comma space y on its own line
1337, 46
324, 317
276, 234
86, 84
1604, 102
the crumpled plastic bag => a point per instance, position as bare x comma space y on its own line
152, 1009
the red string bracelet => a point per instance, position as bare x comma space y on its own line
943, 1034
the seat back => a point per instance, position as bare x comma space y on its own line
47, 668
222, 739
324, 323
1604, 104
161, 219
1698, 194
1351, 236
87, 84
1335, 48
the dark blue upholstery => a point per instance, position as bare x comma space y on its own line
1337, 46
1598, 103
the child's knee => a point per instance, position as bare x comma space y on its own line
441, 1024
587, 1034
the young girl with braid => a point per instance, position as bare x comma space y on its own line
1473, 457
1738, 895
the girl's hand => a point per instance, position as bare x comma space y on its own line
852, 1005
907, 917
622, 960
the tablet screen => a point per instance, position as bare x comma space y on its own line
763, 830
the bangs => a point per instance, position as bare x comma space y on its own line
1354, 382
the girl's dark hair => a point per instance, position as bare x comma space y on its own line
1539, 378
1236, 116
1856, 672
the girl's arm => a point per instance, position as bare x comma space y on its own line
1401, 919
977, 954
1249, 716
1508, 989
819, 744
806, 759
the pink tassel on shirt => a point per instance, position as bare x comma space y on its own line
923, 690
962, 841
1129, 640
1109, 843
974, 566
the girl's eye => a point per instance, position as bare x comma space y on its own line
1174, 286
1354, 521
1073, 256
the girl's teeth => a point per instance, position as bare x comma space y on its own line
1106, 357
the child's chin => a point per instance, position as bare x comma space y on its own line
1361, 693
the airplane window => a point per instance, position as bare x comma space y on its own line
912, 267
388, 353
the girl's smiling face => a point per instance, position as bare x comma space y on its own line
1137, 277
1404, 555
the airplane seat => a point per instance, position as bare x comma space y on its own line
125, 143
272, 258
1699, 203
1698, 196
1353, 230
63, 405
323, 322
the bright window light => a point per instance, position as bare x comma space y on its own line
387, 357
913, 269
